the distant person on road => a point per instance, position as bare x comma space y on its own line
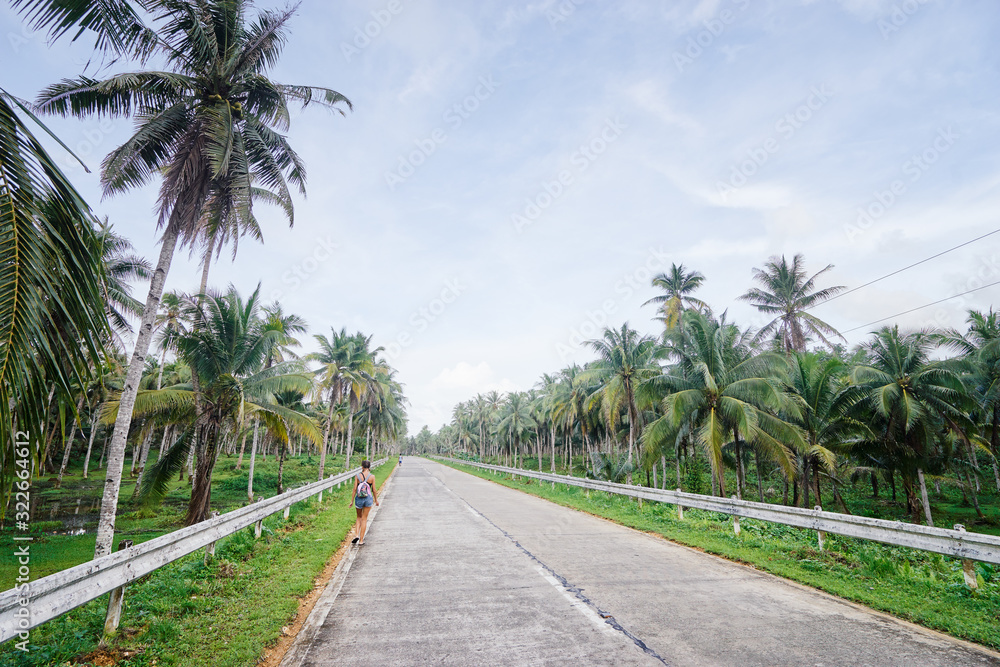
400, 459
363, 497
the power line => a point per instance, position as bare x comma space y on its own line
926, 305
889, 275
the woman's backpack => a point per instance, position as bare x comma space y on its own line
364, 488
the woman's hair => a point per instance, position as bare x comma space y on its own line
366, 464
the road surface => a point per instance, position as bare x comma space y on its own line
460, 571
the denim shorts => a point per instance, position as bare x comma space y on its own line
362, 503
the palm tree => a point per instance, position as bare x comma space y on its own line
516, 421
726, 393
209, 126
822, 415
912, 402
53, 325
979, 349
787, 294
347, 367
625, 361
227, 352
677, 286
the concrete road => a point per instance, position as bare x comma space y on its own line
461, 571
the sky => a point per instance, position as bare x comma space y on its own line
514, 173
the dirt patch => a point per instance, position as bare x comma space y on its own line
104, 657
272, 656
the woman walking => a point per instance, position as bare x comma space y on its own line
363, 497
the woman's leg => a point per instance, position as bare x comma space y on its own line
358, 524
363, 521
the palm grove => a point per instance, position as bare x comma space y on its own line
208, 127
711, 406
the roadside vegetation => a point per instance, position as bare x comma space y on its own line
782, 413
225, 613
914, 585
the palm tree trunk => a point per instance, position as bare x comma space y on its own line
368, 443
142, 461
243, 446
349, 445
552, 435
201, 487
281, 466
253, 458
116, 456
69, 441
760, 482
923, 498
326, 437
93, 431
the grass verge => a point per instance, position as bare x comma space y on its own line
226, 613
917, 586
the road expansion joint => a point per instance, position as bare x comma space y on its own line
586, 605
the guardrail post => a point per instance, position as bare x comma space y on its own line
288, 509
210, 549
819, 533
115, 602
736, 522
258, 527
680, 509
968, 567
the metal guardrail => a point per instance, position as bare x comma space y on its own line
58, 593
957, 543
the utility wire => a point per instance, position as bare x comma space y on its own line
926, 305
889, 275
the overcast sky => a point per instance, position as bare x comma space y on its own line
513, 173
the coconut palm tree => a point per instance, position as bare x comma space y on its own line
979, 350
347, 365
227, 352
209, 126
677, 286
53, 324
726, 393
786, 293
515, 421
625, 361
912, 401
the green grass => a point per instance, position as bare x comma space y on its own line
187, 613
52, 552
913, 585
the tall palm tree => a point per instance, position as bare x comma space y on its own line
912, 400
209, 126
979, 350
227, 352
625, 360
53, 325
787, 293
346, 370
726, 393
677, 286
515, 421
